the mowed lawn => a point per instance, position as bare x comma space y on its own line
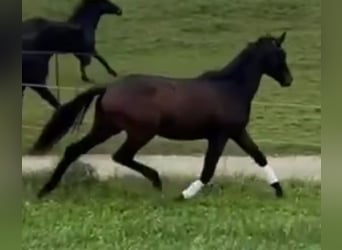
125, 214
185, 38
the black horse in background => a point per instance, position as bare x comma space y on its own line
87, 16
35, 64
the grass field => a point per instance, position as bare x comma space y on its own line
127, 214
185, 38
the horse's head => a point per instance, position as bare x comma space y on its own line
274, 59
100, 7
107, 7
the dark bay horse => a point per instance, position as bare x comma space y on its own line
214, 106
87, 15
35, 65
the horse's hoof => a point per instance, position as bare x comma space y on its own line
157, 184
279, 194
41, 194
33, 152
179, 198
87, 80
113, 73
278, 190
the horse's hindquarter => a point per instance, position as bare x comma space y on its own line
36, 24
131, 102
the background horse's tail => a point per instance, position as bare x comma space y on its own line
67, 116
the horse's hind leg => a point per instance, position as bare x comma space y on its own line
125, 156
47, 96
85, 60
22, 95
245, 141
71, 154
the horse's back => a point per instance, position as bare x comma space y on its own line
161, 88
34, 25
169, 103
139, 87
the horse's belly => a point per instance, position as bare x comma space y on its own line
183, 129
181, 134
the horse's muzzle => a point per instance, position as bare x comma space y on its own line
119, 12
287, 81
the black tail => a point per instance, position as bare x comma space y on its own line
68, 115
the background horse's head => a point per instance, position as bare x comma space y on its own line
102, 6
274, 59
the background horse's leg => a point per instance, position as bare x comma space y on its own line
85, 60
71, 154
105, 64
216, 146
249, 146
125, 156
22, 94
45, 93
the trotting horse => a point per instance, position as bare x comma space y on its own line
87, 15
214, 106
35, 58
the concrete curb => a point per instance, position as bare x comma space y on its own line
292, 167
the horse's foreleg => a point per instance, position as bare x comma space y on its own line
216, 145
105, 64
245, 141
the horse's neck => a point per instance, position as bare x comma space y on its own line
249, 80
246, 78
87, 20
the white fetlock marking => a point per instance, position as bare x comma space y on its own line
193, 189
270, 174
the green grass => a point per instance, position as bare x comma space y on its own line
239, 213
185, 38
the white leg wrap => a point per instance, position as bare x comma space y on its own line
270, 174
193, 189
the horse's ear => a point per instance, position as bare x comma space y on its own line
281, 39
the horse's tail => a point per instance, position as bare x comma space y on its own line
67, 116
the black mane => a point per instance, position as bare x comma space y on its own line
231, 67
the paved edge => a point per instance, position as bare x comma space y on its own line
290, 167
